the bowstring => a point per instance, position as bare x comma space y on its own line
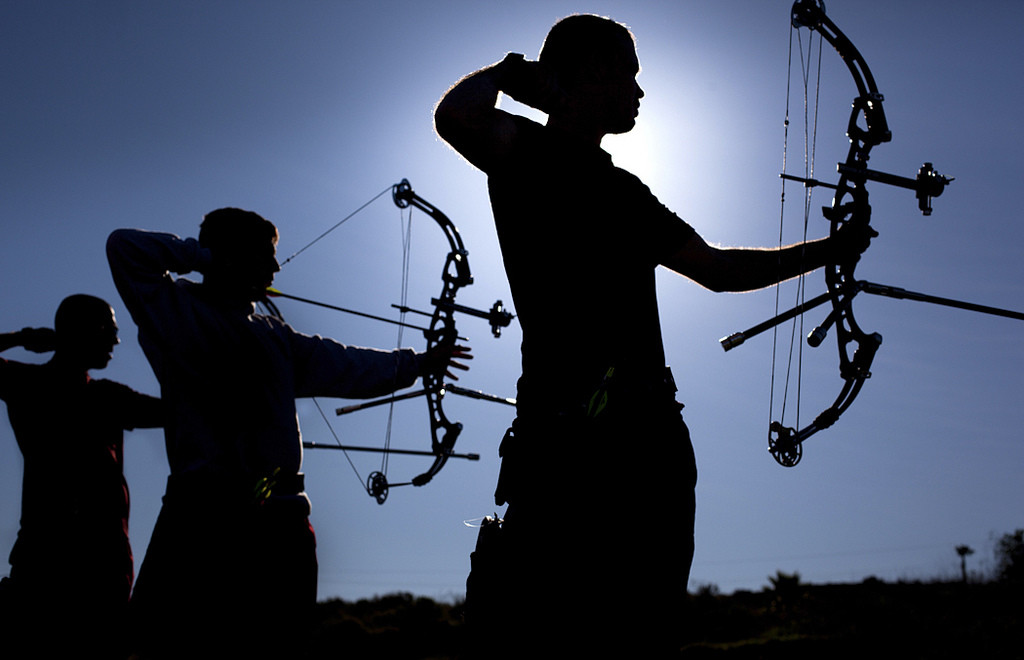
336, 225
810, 131
405, 278
405, 227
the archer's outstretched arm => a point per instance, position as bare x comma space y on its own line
743, 269
749, 269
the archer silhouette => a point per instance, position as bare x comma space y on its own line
598, 470
71, 566
231, 567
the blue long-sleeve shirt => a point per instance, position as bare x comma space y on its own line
229, 377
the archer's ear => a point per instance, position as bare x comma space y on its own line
204, 260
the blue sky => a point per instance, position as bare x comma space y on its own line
151, 114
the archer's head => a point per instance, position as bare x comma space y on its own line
85, 332
243, 249
594, 60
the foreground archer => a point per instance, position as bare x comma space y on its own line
589, 389
232, 559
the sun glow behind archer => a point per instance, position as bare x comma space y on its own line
637, 151
666, 151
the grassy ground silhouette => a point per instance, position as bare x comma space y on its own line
788, 620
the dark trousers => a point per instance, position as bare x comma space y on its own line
226, 577
594, 552
64, 606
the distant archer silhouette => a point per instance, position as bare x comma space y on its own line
71, 566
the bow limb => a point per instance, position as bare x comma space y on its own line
442, 331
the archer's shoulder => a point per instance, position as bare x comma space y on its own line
111, 388
13, 368
526, 147
11, 372
17, 378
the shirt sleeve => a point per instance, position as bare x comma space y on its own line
663, 233
141, 263
132, 409
326, 367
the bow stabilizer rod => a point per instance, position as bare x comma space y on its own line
387, 450
816, 337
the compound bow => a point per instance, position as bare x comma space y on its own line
441, 330
850, 206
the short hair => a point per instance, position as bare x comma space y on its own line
228, 227
578, 43
77, 310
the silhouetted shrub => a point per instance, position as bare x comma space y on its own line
1010, 558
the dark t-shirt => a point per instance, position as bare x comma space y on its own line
581, 240
74, 495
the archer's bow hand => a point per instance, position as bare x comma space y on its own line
37, 340
850, 241
445, 357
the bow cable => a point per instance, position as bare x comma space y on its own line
810, 133
406, 233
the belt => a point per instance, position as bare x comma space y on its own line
234, 486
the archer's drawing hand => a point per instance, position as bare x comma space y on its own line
850, 241
446, 357
38, 340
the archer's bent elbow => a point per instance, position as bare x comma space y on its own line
445, 125
456, 127
449, 118
117, 242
